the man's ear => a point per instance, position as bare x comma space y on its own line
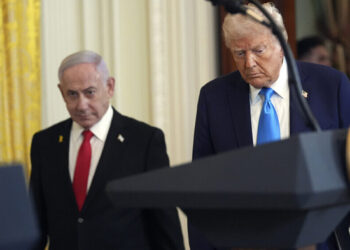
281, 52
110, 86
61, 90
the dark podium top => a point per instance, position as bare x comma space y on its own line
18, 227
289, 193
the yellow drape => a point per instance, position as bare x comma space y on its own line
20, 101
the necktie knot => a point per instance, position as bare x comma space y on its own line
267, 93
87, 135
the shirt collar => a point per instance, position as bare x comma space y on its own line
280, 86
100, 129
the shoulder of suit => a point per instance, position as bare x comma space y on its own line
317, 70
57, 127
219, 86
132, 123
320, 78
224, 80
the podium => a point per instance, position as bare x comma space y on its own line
18, 228
289, 193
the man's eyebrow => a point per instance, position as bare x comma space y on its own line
89, 88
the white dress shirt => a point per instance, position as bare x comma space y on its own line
280, 100
100, 131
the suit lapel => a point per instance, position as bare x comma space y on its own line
238, 98
61, 161
298, 121
112, 154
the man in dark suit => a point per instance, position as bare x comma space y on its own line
69, 172
230, 107
313, 49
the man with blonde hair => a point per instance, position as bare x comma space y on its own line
72, 162
254, 105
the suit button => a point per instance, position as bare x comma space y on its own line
80, 220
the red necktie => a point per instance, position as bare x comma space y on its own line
82, 168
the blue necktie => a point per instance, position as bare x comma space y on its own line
268, 128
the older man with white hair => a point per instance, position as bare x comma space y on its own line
254, 105
72, 162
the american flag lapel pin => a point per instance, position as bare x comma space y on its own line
60, 138
120, 138
304, 93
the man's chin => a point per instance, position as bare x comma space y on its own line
85, 123
257, 84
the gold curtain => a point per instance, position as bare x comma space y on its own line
334, 23
20, 114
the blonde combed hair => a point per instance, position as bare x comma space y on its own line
238, 25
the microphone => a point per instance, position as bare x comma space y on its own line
237, 6
231, 6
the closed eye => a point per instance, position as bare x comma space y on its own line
240, 53
259, 51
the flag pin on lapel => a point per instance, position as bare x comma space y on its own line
120, 138
60, 138
304, 93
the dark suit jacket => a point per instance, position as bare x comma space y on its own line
223, 116
99, 225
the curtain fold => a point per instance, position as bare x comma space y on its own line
20, 98
182, 47
334, 23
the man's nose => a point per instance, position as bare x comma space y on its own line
82, 103
249, 60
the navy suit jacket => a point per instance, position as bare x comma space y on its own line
99, 225
223, 115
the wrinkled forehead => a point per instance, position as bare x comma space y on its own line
81, 72
253, 40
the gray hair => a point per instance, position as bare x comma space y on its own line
84, 56
240, 25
